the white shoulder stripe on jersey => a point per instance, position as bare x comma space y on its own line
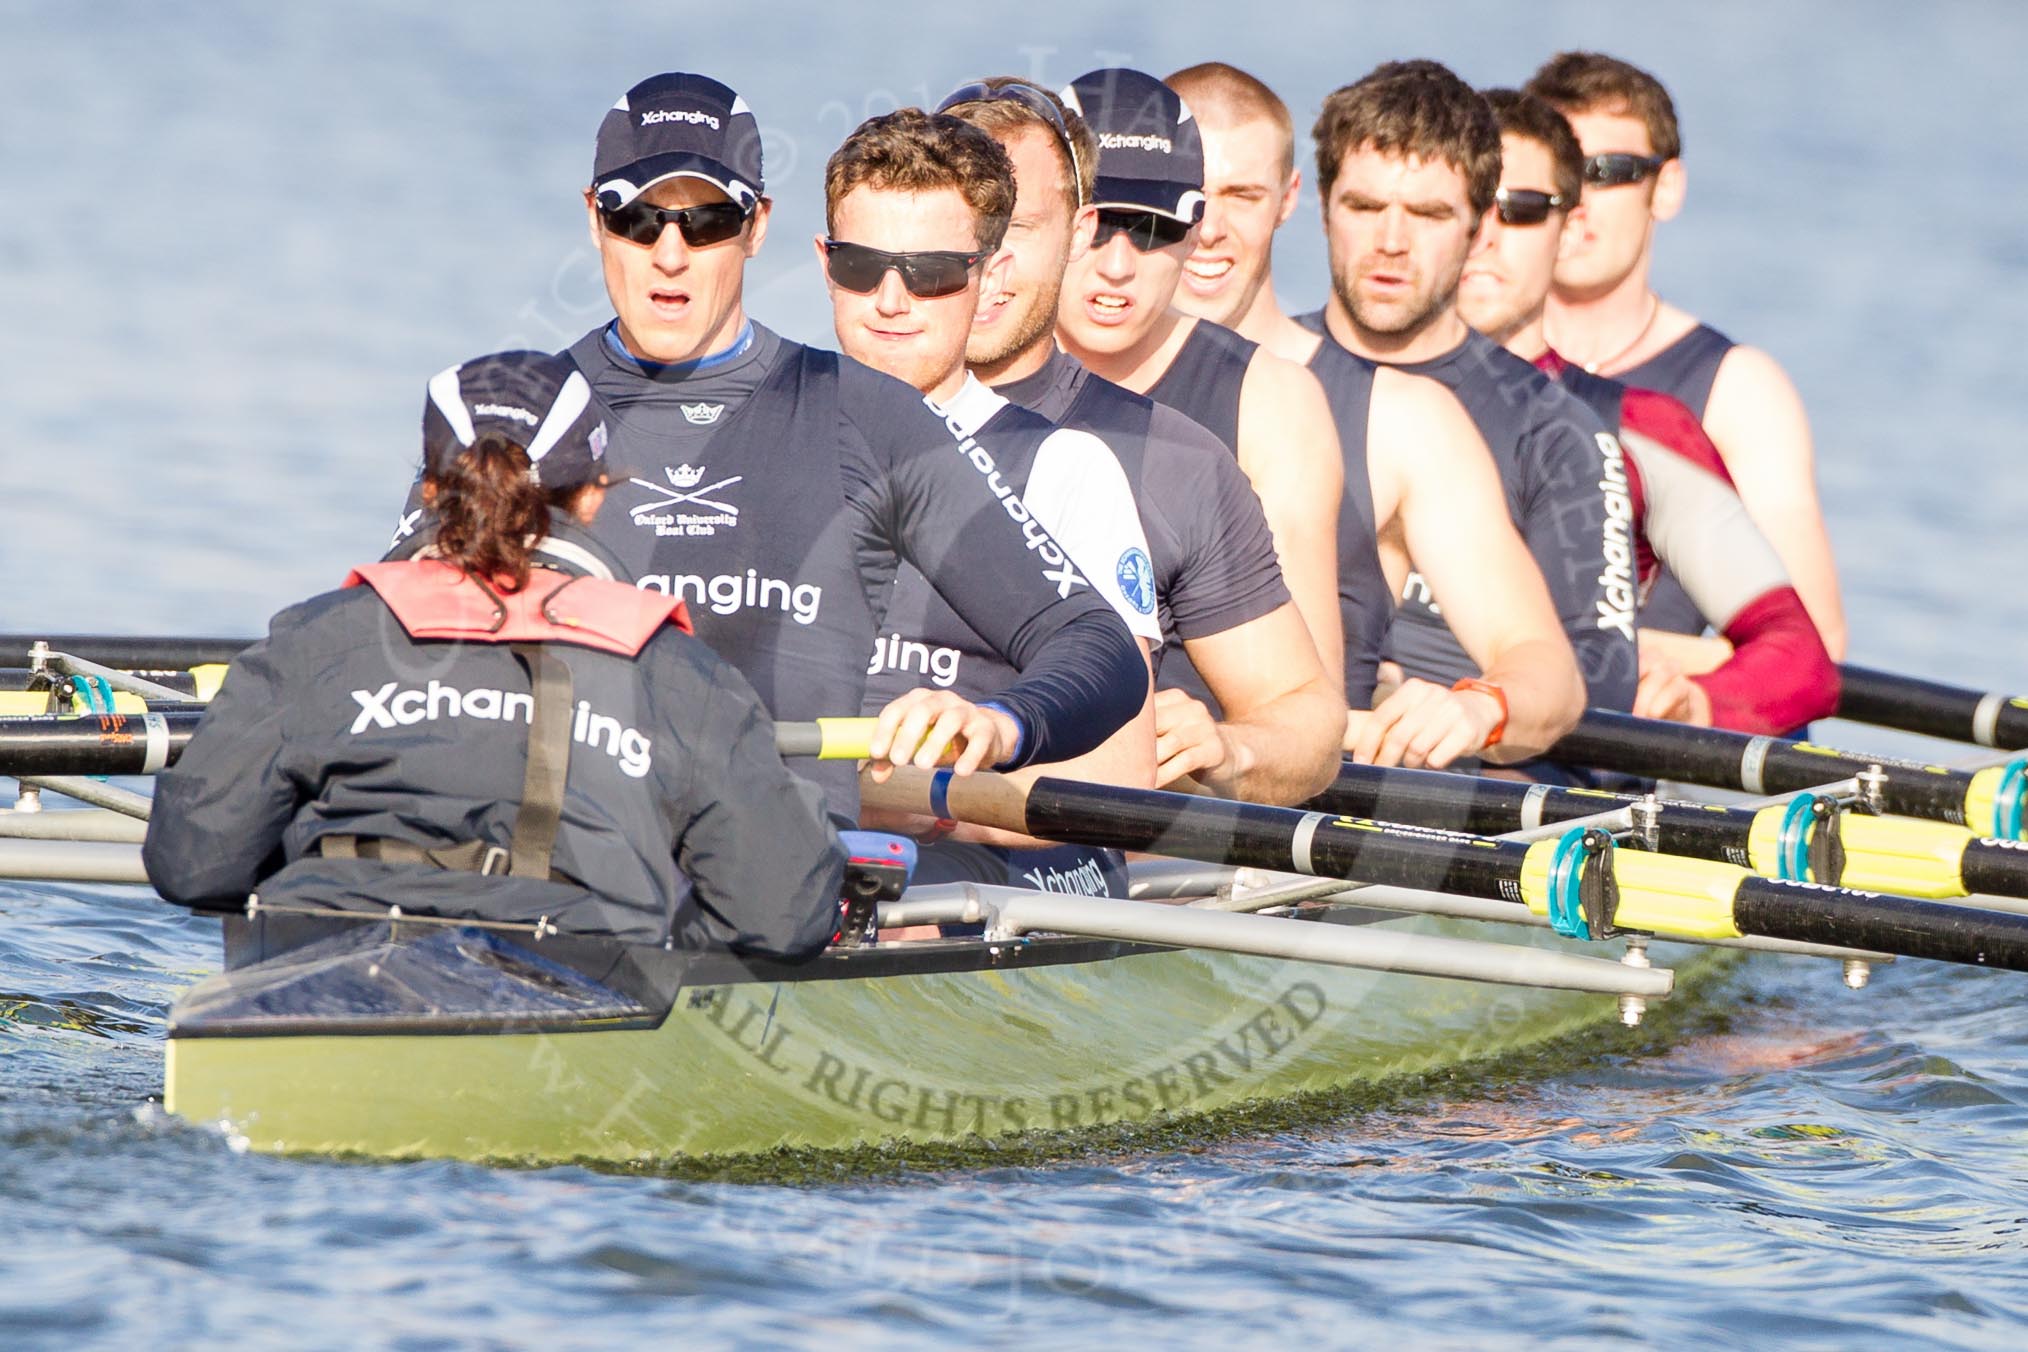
1077, 489
1702, 533
570, 402
973, 405
450, 402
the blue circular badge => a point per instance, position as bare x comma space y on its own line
1137, 580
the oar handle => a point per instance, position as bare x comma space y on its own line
985, 799
825, 738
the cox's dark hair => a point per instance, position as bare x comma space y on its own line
491, 513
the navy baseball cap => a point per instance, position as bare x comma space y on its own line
678, 126
540, 402
1150, 156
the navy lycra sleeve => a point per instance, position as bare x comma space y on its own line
216, 826
1578, 524
936, 497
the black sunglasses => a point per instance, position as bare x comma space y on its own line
1525, 206
1145, 230
703, 224
1036, 100
927, 273
1620, 168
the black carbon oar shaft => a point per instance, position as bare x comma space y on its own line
108, 744
1737, 760
1249, 835
1495, 806
1997, 867
127, 653
1933, 708
1665, 894
1914, 929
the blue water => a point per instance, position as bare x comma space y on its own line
238, 238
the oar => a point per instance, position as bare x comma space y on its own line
1586, 888
122, 744
1933, 708
17, 679
1989, 801
1798, 841
126, 652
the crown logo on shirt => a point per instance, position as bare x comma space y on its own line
686, 476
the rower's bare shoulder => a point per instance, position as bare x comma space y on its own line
1753, 398
1287, 339
1281, 387
1284, 413
1410, 411
1751, 372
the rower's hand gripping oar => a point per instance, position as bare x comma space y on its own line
1585, 888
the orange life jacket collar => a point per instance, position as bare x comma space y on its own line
433, 599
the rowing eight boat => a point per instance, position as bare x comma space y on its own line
408, 1036
424, 1041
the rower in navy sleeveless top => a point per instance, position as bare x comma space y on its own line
1205, 378
1119, 319
1681, 511
366, 754
1685, 369
1548, 448
1606, 317
1218, 582
777, 488
1416, 472
1411, 158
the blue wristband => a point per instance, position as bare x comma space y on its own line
1020, 733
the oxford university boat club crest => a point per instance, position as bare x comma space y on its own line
686, 505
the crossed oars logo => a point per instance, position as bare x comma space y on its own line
683, 491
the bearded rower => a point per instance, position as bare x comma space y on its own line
1683, 512
1419, 482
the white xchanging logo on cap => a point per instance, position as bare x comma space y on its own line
1113, 140
520, 415
691, 115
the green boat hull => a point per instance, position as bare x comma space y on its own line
1075, 1035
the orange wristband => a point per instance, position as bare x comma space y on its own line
1499, 696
